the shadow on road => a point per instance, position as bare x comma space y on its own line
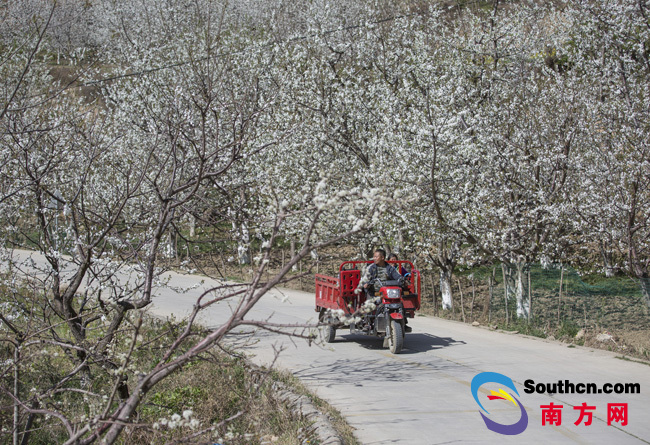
413, 343
369, 371
364, 370
377, 369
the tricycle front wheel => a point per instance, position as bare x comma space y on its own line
396, 339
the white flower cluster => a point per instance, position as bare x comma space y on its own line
178, 421
368, 306
334, 316
338, 316
231, 435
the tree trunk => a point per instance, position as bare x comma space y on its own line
471, 311
242, 253
243, 245
462, 305
445, 288
509, 281
506, 294
176, 246
645, 289
559, 297
491, 287
446, 258
607, 260
192, 226
170, 248
530, 298
435, 296
523, 305
16, 394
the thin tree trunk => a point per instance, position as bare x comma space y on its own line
559, 300
522, 304
16, 394
176, 245
192, 226
462, 306
423, 284
645, 291
490, 299
505, 290
530, 298
28, 426
223, 263
471, 311
486, 305
607, 260
241, 270
435, 298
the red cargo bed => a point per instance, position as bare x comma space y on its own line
338, 293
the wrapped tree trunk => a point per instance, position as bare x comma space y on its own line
445, 288
446, 259
243, 244
523, 304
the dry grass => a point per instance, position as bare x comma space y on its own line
215, 390
218, 386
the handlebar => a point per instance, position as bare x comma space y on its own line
399, 282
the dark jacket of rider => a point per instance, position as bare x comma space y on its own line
374, 272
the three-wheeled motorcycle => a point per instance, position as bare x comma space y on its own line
382, 314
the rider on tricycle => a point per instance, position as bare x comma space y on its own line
378, 303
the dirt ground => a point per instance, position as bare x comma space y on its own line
627, 341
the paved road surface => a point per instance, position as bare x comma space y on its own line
423, 396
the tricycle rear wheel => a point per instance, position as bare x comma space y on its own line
329, 333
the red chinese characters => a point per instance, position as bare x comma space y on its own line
616, 413
585, 410
552, 414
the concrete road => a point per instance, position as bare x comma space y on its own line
423, 395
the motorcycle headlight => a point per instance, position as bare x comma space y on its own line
392, 293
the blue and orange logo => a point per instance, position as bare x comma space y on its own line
494, 377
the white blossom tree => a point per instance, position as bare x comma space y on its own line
610, 60
96, 187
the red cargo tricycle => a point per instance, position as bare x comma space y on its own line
382, 314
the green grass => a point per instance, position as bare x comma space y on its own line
567, 329
548, 280
523, 327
